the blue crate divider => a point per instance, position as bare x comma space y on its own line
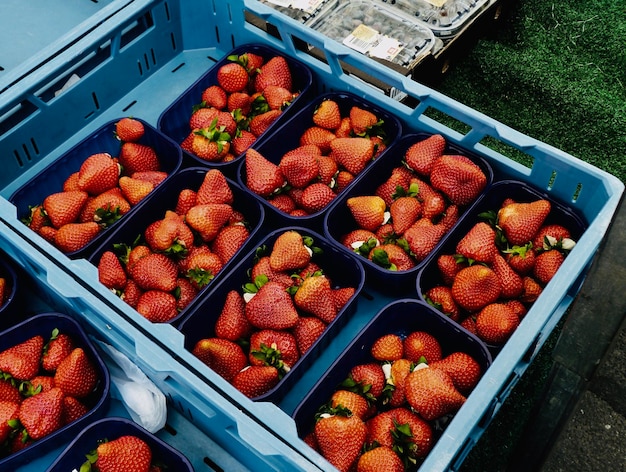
141, 59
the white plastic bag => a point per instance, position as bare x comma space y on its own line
145, 403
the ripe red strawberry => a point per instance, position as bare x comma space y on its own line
352, 401
327, 115
421, 156
41, 414
496, 323
517, 307
380, 458
433, 202
342, 180
399, 371
420, 344
314, 296
367, 210
9, 412
129, 129
510, 281
64, 207
135, 190
241, 142
277, 97
354, 239
289, 252
76, 375
9, 392
478, 244
202, 118
404, 210
240, 101
353, 154
462, 368
154, 272
211, 144
521, 221
400, 177
157, 306
271, 308
459, 178
229, 240
202, 266
251, 61
21, 361
299, 166
392, 257
131, 293
307, 330
208, 219
263, 177
256, 380
263, 268
136, 157
260, 123
170, 235
475, 287
214, 96
154, 176
274, 71
441, 298
75, 236
318, 137
521, 258
185, 292
327, 169
362, 120
388, 347
413, 434
232, 324
432, 394
316, 197
369, 375
106, 208
340, 439
214, 189
98, 173
272, 347
546, 265
223, 356
550, 236
39, 383
186, 199
58, 348
422, 237
123, 452
284, 203
232, 77
531, 291
111, 273
71, 182
73, 410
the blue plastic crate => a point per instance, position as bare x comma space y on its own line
140, 60
338, 220
174, 121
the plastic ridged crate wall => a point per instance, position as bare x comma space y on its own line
150, 53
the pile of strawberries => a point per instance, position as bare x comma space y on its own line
121, 453
331, 153
385, 414
178, 254
43, 387
499, 268
263, 330
250, 94
407, 215
103, 190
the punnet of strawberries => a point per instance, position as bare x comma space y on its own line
334, 143
166, 265
287, 300
45, 384
397, 223
394, 402
100, 192
498, 265
249, 94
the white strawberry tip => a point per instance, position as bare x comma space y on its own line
248, 296
357, 244
568, 244
421, 365
387, 217
309, 250
387, 371
326, 415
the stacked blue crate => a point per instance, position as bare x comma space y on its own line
138, 61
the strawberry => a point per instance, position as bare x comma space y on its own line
169, 235
76, 375
9, 392
433, 202
186, 199
21, 361
136, 157
38, 218
399, 370
441, 298
307, 330
290, 251
510, 281
478, 244
517, 307
327, 115
380, 458
232, 77
353, 154
271, 308
41, 414
185, 292
229, 240
389, 347
38, 384
552, 236
131, 293
283, 202
340, 439
71, 183
314, 296
367, 210
356, 238
459, 178
421, 156
123, 453
263, 177
531, 291
342, 180
275, 348
214, 96
223, 356
414, 436
208, 219
73, 409
154, 272
232, 324
355, 403
106, 208
391, 257
521, 258
56, 349
546, 265
277, 97
274, 71
404, 212
256, 380
327, 169
318, 137
260, 123
202, 266
263, 268
495, 323
420, 344
134, 190
462, 368
239, 101
111, 273
9, 412
475, 287
129, 129
75, 236
157, 306
202, 118
64, 207
369, 376
400, 178
211, 144
432, 394
299, 166
521, 221
316, 197
241, 142
422, 237
98, 173
154, 176
362, 120
251, 61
